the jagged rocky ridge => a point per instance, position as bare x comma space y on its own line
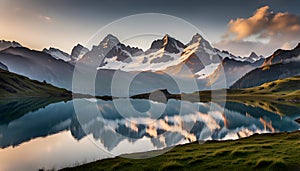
166, 62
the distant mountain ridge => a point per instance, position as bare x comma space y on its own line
111, 47
253, 57
6, 44
281, 64
234, 69
167, 58
38, 65
108, 48
282, 56
57, 54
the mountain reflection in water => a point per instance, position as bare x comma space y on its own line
166, 124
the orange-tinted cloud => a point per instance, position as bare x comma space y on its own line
265, 24
264, 32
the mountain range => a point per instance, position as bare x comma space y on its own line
165, 64
6, 44
281, 64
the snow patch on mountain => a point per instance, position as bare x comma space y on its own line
252, 58
208, 70
155, 61
58, 54
199, 44
78, 52
163, 53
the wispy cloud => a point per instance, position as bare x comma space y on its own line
45, 18
295, 59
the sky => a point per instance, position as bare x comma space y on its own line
239, 26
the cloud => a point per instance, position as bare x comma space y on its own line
45, 18
295, 59
240, 47
289, 45
265, 24
268, 29
243, 28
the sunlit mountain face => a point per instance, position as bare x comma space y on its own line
196, 61
165, 63
162, 66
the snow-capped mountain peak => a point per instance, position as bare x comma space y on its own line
78, 51
196, 38
200, 41
57, 54
202, 49
225, 54
253, 57
168, 39
163, 53
109, 41
168, 43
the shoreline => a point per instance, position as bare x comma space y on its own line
256, 152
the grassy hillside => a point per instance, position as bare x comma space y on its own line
281, 64
17, 86
288, 84
259, 152
287, 89
266, 74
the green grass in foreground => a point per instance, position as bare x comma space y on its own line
280, 151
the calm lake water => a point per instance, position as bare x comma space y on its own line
51, 134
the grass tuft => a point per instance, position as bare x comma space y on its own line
171, 165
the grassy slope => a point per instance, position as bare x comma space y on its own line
17, 86
285, 89
273, 96
259, 152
